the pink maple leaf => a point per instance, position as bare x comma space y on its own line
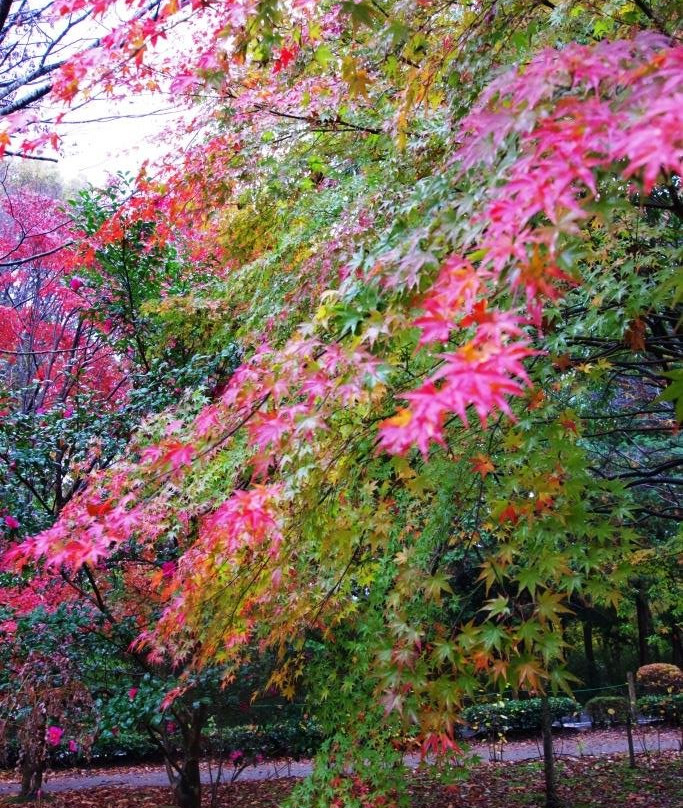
179, 454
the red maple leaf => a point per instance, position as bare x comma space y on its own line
509, 514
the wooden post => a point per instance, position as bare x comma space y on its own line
551, 798
632, 718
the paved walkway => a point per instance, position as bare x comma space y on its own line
579, 744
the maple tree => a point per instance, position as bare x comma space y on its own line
56, 366
83, 364
40, 45
56, 363
440, 268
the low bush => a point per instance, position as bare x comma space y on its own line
669, 707
522, 715
607, 711
119, 744
660, 678
294, 740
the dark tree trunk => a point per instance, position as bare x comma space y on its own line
187, 786
551, 798
645, 623
184, 774
31, 779
590, 653
677, 646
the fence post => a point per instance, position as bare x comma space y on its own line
632, 718
551, 798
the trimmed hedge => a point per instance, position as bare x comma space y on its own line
522, 715
669, 708
607, 711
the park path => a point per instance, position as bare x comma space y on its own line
589, 743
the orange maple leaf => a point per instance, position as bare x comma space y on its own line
482, 464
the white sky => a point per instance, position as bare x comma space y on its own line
114, 136
102, 136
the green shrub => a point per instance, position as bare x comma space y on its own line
515, 715
129, 743
607, 711
294, 740
660, 678
669, 707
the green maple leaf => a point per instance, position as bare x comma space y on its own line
437, 584
493, 636
551, 645
361, 13
549, 606
444, 651
529, 632
674, 392
499, 605
529, 578
323, 55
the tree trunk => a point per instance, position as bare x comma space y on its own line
590, 653
551, 798
31, 779
677, 646
645, 623
185, 775
187, 786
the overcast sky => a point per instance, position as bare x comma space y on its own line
103, 136
111, 137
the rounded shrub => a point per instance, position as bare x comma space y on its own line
660, 678
607, 711
292, 740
